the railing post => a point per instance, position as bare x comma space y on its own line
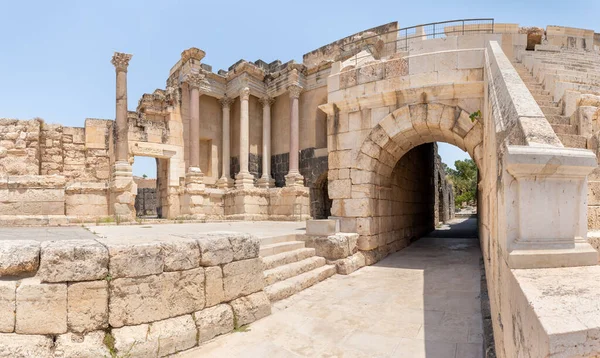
433, 32
463, 22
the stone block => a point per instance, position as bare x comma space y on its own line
181, 254
7, 306
34, 300
152, 298
333, 247
72, 260
340, 189
215, 249
244, 246
157, 339
349, 264
251, 308
324, 227
214, 285
89, 345
18, 257
133, 260
241, 278
87, 308
25, 346
214, 321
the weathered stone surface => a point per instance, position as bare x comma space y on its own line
214, 321
244, 246
19, 257
7, 306
241, 278
157, 339
25, 346
133, 260
214, 285
155, 297
215, 249
349, 264
35, 299
87, 306
182, 254
89, 345
72, 260
333, 247
250, 308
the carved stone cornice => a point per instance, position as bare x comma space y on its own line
192, 53
294, 91
226, 102
121, 60
196, 79
245, 94
266, 101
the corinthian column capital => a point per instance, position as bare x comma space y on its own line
121, 60
294, 91
245, 94
226, 102
266, 101
195, 79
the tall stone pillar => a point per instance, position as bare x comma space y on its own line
122, 187
265, 181
225, 181
244, 179
293, 178
194, 178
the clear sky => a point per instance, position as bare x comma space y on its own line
55, 55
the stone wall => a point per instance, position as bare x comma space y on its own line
106, 297
20, 146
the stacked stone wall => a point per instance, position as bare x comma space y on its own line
19, 146
113, 298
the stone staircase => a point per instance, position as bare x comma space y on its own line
566, 132
290, 267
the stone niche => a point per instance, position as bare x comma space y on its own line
142, 298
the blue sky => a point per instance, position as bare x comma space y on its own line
55, 55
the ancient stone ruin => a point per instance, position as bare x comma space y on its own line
347, 137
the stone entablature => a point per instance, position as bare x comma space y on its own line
144, 298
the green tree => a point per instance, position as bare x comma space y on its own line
464, 181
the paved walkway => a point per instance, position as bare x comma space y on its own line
420, 302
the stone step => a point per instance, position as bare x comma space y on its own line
284, 258
542, 98
274, 249
558, 119
284, 272
277, 239
551, 110
540, 92
564, 128
545, 103
572, 140
286, 288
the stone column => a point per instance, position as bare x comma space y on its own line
244, 179
122, 187
225, 181
194, 175
265, 181
293, 178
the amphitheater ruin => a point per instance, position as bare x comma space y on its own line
341, 151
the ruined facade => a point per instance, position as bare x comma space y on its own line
259, 141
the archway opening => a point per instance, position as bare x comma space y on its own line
151, 176
320, 203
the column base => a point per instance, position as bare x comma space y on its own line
265, 182
244, 180
123, 191
225, 182
294, 179
194, 181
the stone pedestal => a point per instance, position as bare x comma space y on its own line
294, 180
123, 191
291, 203
247, 204
225, 182
194, 192
265, 182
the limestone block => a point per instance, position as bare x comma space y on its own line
214, 285
368, 242
215, 249
7, 306
242, 278
72, 260
89, 345
251, 308
340, 189
87, 308
34, 300
158, 339
244, 246
135, 259
19, 257
324, 227
181, 254
151, 298
214, 321
333, 247
25, 346
349, 264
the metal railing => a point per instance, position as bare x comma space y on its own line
381, 45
